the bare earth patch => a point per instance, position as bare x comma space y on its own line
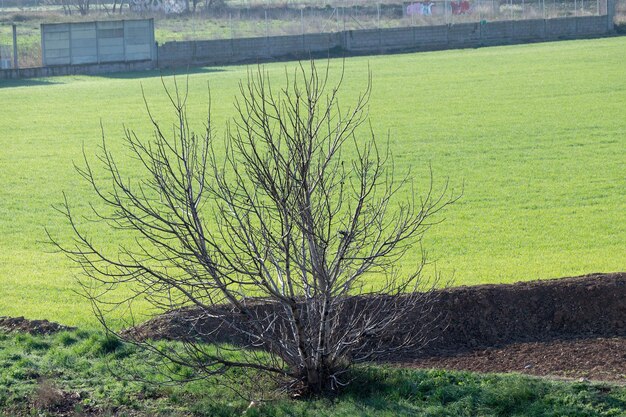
39, 327
564, 328
567, 327
601, 359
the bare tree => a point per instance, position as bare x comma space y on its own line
82, 6
288, 240
121, 6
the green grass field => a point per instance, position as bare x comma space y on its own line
536, 133
34, 370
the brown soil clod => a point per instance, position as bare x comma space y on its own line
599, 359
52, 399
566, 327
38, 327
485, 316
478, 316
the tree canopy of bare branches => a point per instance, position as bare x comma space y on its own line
289, 239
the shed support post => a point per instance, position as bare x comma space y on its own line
15, 65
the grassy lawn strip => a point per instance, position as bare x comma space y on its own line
79, 364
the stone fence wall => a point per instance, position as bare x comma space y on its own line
375, 41
353, 42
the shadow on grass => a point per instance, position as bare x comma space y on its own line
31, 82
403, 391
27, 82
161, 73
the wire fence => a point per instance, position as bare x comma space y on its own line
264, 18
255, 22
6, 56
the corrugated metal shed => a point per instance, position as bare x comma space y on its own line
97, 42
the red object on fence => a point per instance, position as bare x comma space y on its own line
461, 7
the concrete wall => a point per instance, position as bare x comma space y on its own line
231, 51
420, 38
85, 69
97, 42
354, 42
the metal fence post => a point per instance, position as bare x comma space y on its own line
98, 41
154, 53
43, 45
15, 63
267, 36
69, 31
302, 30
610, 14
124, 39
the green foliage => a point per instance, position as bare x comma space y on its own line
97, 345
109, 345
94, 375
66, 338
29, 343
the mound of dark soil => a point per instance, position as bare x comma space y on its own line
479, 317
55, 401
493, 315
602, 359
20, 324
